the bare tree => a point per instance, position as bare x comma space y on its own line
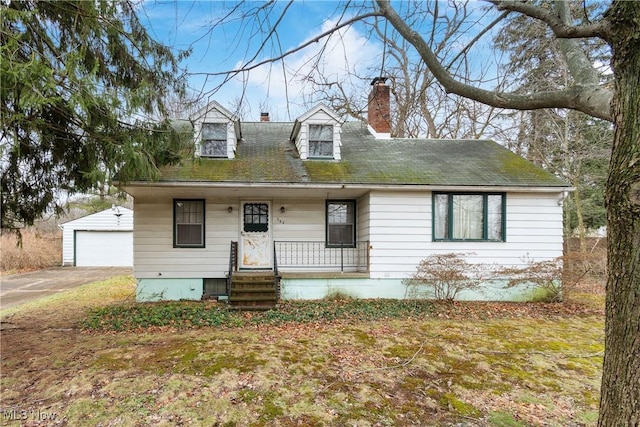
421, 107
567, 143
617, 26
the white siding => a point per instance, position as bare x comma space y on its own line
303, 219
215, 116
401, 234
363, 221
397, 224
154, 254
100, 221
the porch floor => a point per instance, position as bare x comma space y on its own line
321, 275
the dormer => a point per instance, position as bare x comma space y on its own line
216, 132
317, 134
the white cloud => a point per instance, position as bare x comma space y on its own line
344, 52
274, 87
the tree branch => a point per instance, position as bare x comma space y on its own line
298, 48
580, 67
591, 99
559, 28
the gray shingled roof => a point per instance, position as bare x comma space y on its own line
265, 155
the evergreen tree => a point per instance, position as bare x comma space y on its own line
568, 143
79, 82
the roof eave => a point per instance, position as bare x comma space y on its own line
320, 185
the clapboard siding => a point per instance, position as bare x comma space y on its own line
401, 233
363, 219
303, 219
397, 224
154, 254
100, 221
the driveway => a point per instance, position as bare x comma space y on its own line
17, 289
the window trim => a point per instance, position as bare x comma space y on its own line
175, 224
355, 217
332, 141
485, 214
225, 141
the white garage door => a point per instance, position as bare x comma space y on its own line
104, 248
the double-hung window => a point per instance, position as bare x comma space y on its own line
188, 223
341, 223
465, 216
214, 140
321, 141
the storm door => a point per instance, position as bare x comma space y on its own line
255, 235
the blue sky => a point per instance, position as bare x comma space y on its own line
184, 24
188, 24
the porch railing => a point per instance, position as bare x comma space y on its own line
313, 255
233, 264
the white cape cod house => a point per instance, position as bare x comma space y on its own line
301, 210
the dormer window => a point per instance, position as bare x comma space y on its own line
320, 141
214, 140
216, 132
316, 134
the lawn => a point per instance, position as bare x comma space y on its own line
66, 360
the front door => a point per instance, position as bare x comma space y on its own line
255, 235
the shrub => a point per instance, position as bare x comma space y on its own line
30, 251
588, 265
543, 275
444, 276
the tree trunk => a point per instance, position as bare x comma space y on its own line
620, 397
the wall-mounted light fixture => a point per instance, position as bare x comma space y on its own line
116, 211
282, 209
230, 209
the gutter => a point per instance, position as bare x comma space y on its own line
317, 186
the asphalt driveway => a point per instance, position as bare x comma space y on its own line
17, 289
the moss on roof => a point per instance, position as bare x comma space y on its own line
266, 155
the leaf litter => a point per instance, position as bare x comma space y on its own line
472, 364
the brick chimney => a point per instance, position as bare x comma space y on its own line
379, 116
264, 117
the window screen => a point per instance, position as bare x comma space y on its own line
214, 140
468, 216
320, 141
188, 221
341, 223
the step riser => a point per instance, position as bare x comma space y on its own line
250, 291
265, 286
252, 297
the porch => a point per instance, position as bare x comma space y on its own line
312, 257
316, 257
260, 290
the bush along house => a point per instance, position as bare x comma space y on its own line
301, 210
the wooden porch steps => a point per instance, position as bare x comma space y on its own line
253, 291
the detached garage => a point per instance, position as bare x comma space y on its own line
103, 239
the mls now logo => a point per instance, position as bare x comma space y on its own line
17, 414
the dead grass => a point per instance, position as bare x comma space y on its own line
38, 250
479, 364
